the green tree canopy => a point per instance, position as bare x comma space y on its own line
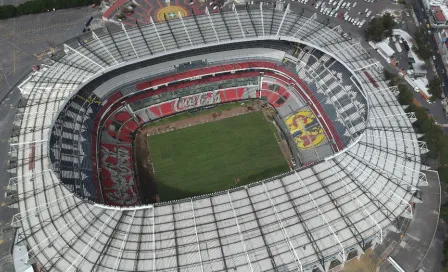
421, 46
380, 28
435, 87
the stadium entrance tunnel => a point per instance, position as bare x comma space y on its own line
310, 124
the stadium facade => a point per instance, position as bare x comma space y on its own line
72, 165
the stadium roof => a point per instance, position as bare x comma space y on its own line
302, 220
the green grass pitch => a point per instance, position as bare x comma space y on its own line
210, 157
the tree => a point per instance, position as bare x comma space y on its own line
379, 28
7, 11
435, 87
387, 75
405, 96
421, 46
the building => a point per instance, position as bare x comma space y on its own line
314, 218
439, 14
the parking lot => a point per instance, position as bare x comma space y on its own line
350, 14
401, 50
24, 39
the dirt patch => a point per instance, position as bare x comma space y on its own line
269, 112
143, 165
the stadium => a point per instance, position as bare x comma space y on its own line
343, 164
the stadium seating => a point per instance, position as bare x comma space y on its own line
311, 219
121, 126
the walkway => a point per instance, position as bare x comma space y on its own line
415, 244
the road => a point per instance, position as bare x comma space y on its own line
422, 17
435, 109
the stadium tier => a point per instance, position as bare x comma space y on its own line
72, 164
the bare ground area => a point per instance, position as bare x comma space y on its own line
142, 160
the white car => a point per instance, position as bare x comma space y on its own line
348, 5
354, 4
368, 13
356, 21
366, 10
394, 39
343, 4
363, 22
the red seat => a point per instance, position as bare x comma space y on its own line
222, 95
240, 92
122, 116
167, 108
228, 67
132, 125
189, 74
163, 80
155, 110
242, 65
212, 70
124, 135
231, 95
143, 85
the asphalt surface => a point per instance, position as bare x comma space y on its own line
422, 228
422, 17
377, 8
435, 109
22, 41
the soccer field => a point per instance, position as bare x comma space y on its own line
211, 157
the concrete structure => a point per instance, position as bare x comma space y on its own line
385, 49
439, 14
312, 219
